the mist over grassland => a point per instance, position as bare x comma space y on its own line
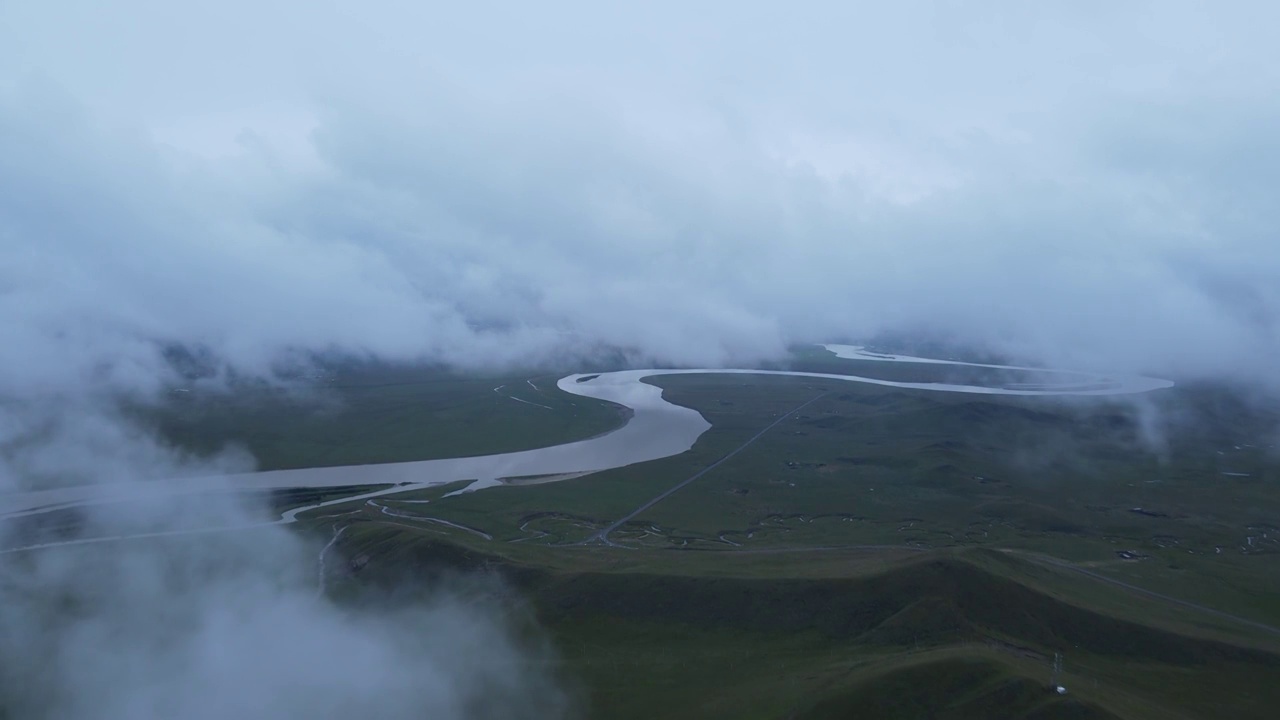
1081, 186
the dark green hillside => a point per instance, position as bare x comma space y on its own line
969, 640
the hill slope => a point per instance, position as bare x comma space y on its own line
932, 636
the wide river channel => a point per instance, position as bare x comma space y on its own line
656, 429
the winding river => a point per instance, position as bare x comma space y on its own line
656, 429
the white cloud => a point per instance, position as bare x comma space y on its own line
1081, 182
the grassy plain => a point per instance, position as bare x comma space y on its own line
377, 414
882, 554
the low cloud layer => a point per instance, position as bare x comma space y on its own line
230, 625
1087, 184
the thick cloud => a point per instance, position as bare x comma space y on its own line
1084, 184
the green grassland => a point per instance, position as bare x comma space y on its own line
882, 553
361, 415
868, 465
941, 633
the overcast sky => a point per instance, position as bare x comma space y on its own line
1090, 184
